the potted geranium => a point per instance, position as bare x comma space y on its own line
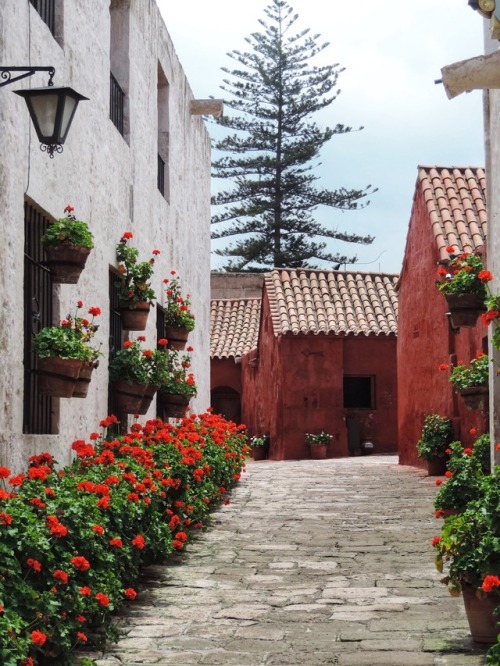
471, 380
260, 446
318, 443
130, 373
62, 351
67, 244
178, 385
463, 284
466, 470
468, 549
179, 320
135, 291
436, 437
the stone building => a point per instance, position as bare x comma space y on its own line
137, 158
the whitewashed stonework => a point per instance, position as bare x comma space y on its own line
110, 179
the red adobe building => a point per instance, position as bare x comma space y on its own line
448, 209
325, 359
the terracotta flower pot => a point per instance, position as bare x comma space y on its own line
66, 262
318, 451
475, 397
147, 399
57, 376
173, 406
436, 467
480, 610
465, 309
83, 381
128, 397
135, 319
259, 452
177, 337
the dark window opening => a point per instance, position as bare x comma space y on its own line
227, 402
161, 175
46, 9
38, 313
359, 392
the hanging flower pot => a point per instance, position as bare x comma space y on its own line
128, 397
66, 262
83, 381
147, 399
173, 406
465, 309
67, 243
57, 376
135, 318
480, 610
177, 337
475, 397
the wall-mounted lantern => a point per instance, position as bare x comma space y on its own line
51, 109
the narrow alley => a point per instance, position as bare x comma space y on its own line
313, 563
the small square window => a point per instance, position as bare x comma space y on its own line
359, 392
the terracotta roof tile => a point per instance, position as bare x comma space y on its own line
234, 326
336, 302
456, 202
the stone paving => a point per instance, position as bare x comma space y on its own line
312, 563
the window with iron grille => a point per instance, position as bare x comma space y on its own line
116, 339
119, 65
116, 104
38, 311
46, 9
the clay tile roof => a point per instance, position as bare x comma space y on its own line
336, 302
456, 202
234, 326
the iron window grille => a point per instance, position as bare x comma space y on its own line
38, 313
46, 9
116, 104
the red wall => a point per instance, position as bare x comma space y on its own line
295, 386
425, 341
225, 372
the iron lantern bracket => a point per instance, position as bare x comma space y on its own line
23, 72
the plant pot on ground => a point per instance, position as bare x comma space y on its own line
437, 435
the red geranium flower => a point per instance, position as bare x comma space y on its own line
38, 637
102, 599
130, 593
80, 563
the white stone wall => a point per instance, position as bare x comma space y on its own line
111, 182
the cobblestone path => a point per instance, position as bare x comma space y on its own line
312, 563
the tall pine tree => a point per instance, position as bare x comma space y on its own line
275, 147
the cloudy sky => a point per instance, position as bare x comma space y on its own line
392, 52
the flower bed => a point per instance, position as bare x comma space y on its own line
73, 541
